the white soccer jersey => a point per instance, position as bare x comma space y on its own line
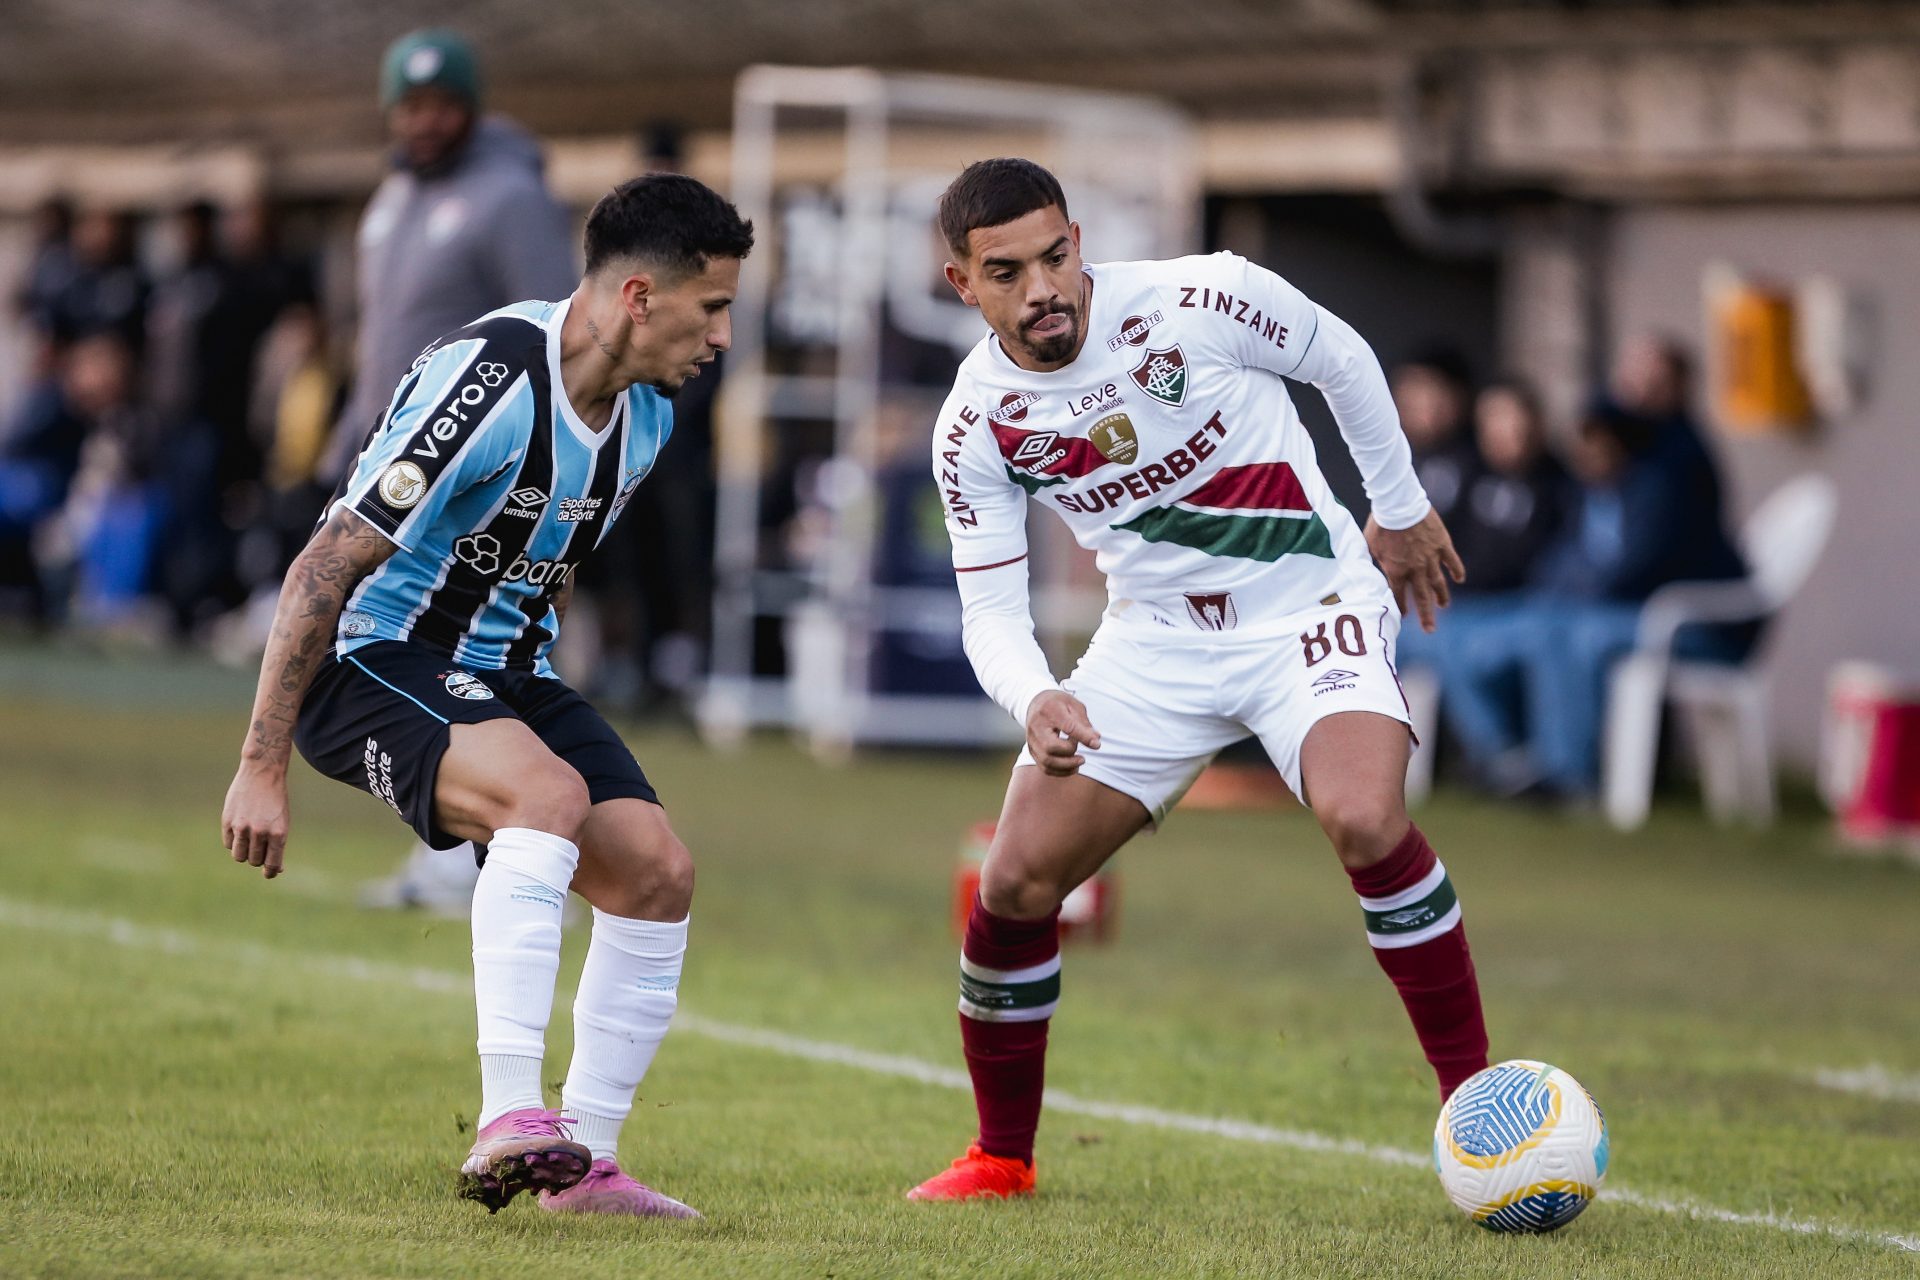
1172, 450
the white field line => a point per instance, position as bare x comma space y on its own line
127, 933
140, 858
135, 857
1873, 1080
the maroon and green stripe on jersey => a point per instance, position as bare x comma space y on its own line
1254, 512
1037, 460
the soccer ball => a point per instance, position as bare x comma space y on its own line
1521, 1147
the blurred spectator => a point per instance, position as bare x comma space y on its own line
206, 324
100, 548
1640, 497
463, 225
181, 301
259, 283
105, 292
1430, 392
1652, 379
188, 388
296, 399
39, 453
1516, 503
52, 267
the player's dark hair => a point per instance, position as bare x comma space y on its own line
992, 193
666, 220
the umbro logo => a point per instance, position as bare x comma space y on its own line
526, 503
1331, 680
538, 894
1035, 447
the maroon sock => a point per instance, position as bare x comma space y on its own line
1009, 985
1413, 922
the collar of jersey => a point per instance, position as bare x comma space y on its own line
1003, 364
562, 405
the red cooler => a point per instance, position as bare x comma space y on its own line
1870, 755
1090, 912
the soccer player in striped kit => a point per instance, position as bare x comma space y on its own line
1142, 403
408, 658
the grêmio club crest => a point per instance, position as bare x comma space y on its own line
1162, 374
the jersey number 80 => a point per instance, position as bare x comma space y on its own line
1346, 633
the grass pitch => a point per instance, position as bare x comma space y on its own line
209, 1075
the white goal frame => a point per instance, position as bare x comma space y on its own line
1133, 156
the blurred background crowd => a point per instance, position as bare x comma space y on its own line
192, 394
1632, 268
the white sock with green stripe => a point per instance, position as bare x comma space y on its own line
1009, 995
1413, 915
1009, 988
1413, 923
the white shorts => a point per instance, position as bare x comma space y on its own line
1163, 705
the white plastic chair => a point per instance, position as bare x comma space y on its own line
1421, 688
1725, 705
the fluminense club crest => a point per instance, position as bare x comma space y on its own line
1162, 374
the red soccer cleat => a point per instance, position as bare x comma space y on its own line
978, 1176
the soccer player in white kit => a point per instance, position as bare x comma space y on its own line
1143, 403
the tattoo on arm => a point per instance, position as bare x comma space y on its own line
561, 601
321, 578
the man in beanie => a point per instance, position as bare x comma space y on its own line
463, 224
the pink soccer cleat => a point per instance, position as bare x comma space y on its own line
524, 1150
607, 1190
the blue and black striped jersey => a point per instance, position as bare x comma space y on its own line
493, 490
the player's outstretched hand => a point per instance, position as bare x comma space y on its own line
1418, 561
1057, 727
253, 825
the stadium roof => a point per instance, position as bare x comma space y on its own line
278, 72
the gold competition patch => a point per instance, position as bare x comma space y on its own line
403, 484
1114, 437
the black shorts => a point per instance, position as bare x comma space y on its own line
378, 719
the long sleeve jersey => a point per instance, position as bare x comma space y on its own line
1171, 449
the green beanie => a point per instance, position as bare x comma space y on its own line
434, 57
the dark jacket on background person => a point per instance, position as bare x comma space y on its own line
110, 298
1660, 522
1446, 472
438, 252
1504, 523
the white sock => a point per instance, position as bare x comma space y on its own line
628, 991
507, 1083
516, 954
